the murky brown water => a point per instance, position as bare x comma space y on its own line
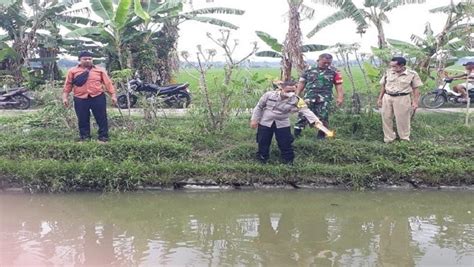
271, 228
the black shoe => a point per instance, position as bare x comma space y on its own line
83, 139
261, 159
102, 139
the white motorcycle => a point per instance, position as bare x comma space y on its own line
443, 94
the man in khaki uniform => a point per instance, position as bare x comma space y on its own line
398, 97
272, 116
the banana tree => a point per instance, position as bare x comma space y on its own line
22, 28
277, 52
444, 48
374, 11
168, 16
111, 31
458, 23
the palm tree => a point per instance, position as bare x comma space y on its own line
277, 51
374, 11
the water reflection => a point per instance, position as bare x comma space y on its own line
284, 228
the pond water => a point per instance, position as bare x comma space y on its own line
269, 227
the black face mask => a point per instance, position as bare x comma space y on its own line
81, 79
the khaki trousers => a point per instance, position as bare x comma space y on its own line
400, 107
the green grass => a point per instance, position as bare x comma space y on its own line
38, 152
173, 150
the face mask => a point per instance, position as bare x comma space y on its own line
289, 94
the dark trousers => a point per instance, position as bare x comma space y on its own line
83, 109
284, 140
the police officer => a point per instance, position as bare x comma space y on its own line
398, 97
317, 83
271, 115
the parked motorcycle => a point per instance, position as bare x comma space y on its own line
444, 94
173, 96
15, 98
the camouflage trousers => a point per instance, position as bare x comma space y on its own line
320, 106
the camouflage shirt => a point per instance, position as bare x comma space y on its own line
320, 81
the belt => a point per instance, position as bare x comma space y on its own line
397, 94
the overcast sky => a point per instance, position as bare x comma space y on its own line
269, 16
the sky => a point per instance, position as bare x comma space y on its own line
269, 16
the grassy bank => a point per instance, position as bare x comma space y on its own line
175, 151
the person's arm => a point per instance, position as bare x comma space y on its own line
340, 95
301, 84
67, 89
415, 98
302, 108
300, 88
339, 89
258, 111
416, 83
109, 87
382, 91
458, 77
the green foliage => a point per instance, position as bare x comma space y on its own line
122, 75
278, 48
270, 41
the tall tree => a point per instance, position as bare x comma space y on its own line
291, 51
374, 11
292, 54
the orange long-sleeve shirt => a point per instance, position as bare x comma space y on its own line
93, 87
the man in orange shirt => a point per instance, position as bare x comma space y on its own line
86, 81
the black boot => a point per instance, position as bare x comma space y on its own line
261, 159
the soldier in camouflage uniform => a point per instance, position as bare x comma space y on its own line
317, 83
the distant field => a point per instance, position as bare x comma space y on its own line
216, 76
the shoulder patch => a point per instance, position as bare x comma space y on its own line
300, 103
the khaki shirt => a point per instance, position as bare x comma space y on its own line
272, 108
400, 83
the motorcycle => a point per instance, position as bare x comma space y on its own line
15, 98
173, 96
444, 94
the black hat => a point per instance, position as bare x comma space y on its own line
85, 54
470, 63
